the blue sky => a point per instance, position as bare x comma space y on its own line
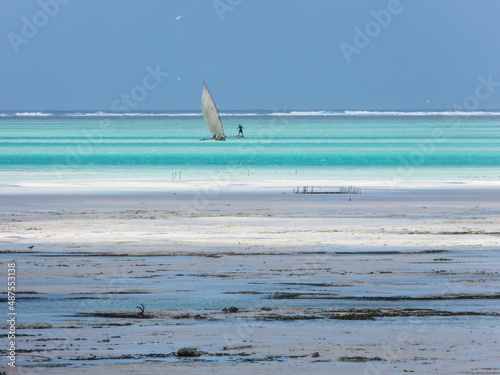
253, 54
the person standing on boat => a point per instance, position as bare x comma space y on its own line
240, 130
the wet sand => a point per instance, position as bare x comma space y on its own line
386, 281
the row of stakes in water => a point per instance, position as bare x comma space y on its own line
342, 190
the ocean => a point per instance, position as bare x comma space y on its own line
316, 145
372, 269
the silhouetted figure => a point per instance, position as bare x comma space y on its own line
240, 130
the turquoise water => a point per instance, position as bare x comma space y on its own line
321, 145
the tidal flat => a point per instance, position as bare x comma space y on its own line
256, 280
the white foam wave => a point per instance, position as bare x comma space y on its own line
166, 114
420, 113
304, 113
242, 114
26, 114
384, 113
325, 113
129, 114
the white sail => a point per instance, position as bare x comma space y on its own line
211, 114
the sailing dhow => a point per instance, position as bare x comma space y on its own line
211, 115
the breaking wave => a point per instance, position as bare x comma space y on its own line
319, 113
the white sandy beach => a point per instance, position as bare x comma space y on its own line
409, 261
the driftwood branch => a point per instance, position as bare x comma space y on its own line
142, 308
